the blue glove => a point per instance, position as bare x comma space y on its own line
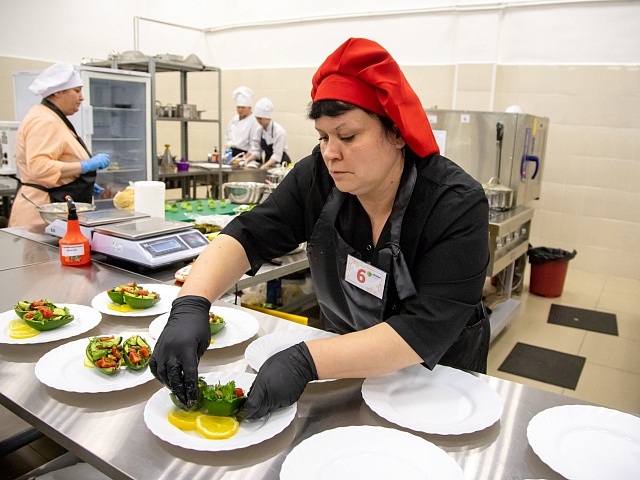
97, 189
184, 339
96, 162
280, 381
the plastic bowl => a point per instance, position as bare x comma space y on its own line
244, 192
54, 211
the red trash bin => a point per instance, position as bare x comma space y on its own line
548, 270
547, 279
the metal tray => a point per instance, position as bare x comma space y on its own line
105, 217
143, 228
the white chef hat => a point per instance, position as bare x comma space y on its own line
243, 96
56, 78
263, 108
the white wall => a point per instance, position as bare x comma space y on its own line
287, 33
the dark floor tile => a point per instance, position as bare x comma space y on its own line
544, 365
585, 319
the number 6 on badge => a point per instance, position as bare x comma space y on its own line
365, 276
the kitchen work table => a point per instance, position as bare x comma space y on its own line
188, 180
108, 430
40, 246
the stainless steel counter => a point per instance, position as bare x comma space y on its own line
94, 426
36, 253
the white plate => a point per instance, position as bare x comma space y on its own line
250, 432
168, 294
240, 326
366, 452
583, 442
264, 347
85, 318
63, 369
444, 400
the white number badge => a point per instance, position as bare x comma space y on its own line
365, 276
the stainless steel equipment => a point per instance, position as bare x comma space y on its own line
504, 145
469, 139
508, 237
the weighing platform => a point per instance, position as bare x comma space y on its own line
136, 237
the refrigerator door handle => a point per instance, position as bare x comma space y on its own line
87, 119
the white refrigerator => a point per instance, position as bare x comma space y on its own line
115, 118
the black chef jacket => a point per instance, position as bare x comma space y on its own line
444, 241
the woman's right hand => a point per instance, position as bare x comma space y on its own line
184, 339
97, 162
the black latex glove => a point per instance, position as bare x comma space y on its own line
183, 341
280, 381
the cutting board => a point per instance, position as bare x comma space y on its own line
177, 210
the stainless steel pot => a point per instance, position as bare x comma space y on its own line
187, 110
500, 197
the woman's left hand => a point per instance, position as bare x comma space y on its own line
97, 189
280, 381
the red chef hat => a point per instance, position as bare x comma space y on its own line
363, 73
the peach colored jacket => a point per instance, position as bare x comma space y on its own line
43, 141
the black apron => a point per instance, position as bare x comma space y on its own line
268, 151
81, 189
347, 308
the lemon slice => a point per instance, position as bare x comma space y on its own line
17, 324
183, 420
87, 363
124, 308
216, 428
18, 329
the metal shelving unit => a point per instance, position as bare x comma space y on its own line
155, 65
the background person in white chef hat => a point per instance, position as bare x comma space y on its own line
243, 131
273, 141
51, 160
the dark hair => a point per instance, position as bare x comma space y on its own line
334, 108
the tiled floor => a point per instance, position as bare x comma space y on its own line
611, 376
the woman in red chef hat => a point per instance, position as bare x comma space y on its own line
396, 239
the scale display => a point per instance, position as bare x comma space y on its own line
176, 243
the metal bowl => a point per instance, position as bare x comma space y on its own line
280, 171
54, 211
244, 192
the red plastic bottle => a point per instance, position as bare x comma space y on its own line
75, 249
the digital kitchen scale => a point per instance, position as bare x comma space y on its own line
136, 237
151, 242
88, 220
